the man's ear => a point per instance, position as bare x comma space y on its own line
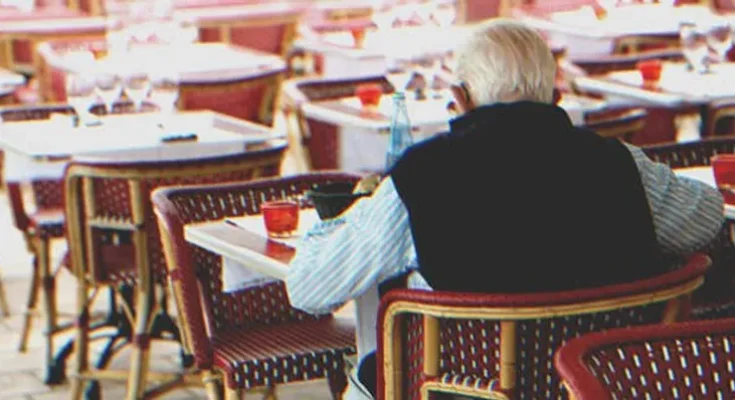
462, 96
557, 96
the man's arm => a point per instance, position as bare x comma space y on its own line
687, 214
340, 259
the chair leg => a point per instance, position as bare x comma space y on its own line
82, 341
4, 307
141, 343
270, 394
234, 394
48, 285
30, 306
212, 385
337, 384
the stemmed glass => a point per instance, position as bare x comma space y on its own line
719, 38
445, 14
165, 93
694, 47
399, 74
137, 87
81, 95
109, 88
430, 69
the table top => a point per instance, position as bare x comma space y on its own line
197, 63
406, 42
48, 20
705, 174
139, 135
677, 86
432, 111
349, 111
10, 78
244, 240
639, 19
217, 11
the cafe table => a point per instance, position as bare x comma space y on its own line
362, 134
42, 149
676, 87
706, 175
9, 81
338, 55
21, 31
243, 244
214, 76
585, 33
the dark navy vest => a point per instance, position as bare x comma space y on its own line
516, 199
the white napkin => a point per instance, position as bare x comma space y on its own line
236, 276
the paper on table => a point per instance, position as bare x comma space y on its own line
236, 276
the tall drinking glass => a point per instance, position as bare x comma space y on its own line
430, 69
137, 88
694, 47
109, 88
445, 14
165, 93
719, 38
81, 95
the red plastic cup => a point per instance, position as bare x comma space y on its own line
369, 94
281, 218
650, 70
723, 166
358, 35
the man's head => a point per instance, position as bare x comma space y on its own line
504, 61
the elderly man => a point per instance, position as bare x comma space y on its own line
513, 199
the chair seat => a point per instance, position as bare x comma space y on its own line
48, 224
287, 352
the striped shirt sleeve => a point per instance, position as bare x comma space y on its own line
687, 214
340, 259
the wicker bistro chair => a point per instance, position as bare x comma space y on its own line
321, 139
251, 338
624, 124
691, 360
501, 345
40, 227
114, 240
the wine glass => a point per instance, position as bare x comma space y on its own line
137, 87
81, 95
430, 69
165, 92
399, 73
694, 47
109, 88
189, 31
445, 14
719, 38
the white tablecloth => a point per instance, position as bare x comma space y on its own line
29, 144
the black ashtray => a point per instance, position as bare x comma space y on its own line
332, 199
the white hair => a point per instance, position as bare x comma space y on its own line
504, 61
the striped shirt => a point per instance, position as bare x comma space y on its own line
340, 259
